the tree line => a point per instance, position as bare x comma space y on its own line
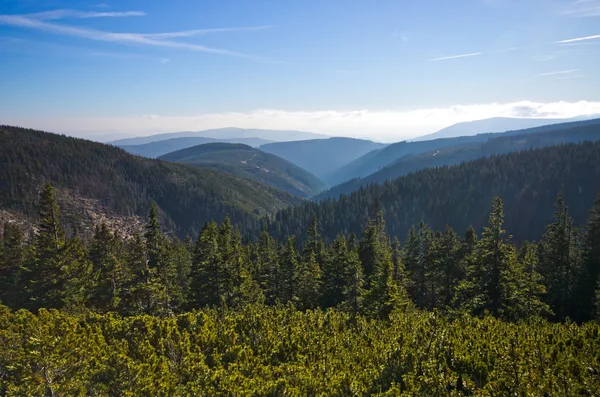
370, 276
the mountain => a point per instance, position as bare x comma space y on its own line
496, 144
158, 148
527, 181
496, 124
322, 156
225, 133
93, 177
247, 162
377, 160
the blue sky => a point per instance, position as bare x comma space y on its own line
381, 69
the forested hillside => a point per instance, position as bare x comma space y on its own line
377, 160
322, 156
187, 196
458, 195
442, 313
497, 144
247, 162
159, 148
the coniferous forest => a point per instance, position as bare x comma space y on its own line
441, 312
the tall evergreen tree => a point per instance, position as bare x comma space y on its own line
104, 256
205, 287
288, 262
309, 282
13, 257
353, 291
531, 286
46, 273
588, 286
334, 273
560, 262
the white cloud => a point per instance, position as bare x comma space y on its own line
101, 5
578, 39
165, 60
388, 126
473, 54
61, 14
123, 38
559, 72
199, 32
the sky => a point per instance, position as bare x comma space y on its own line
385, 70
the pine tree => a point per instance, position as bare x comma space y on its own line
288, 262
560, 262
46, 274
498, 266
353, 291
13, 257
531, 287
588, 286
136, 293
104, 256
417, 258
309, 282
383, 295
334, 273
78, 282
205, 286
242, 288
269, 278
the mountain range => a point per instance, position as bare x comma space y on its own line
250, 163
225, 133
101, 181
323, 156
158, 148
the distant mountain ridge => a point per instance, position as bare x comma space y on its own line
105, 176
575, 132
225, 133
322, 156
377, 160
494, 125
250, 163
159, 148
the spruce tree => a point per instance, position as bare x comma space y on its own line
353, 291
588, 286
205, 286
560, 262
531, 288
46, 273
13, 257
104, 256
288, 262
334, 273
309, 282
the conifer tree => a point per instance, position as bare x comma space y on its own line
288, 262
205, 286
13, 257
353, 291
309, 282
78, 283
269, 277
498, 283
136, 294
334, 273
560, 262
46, 273
588, 286
104, 256
531, 287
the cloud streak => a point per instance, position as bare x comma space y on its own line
122, 38
200, 32
61, 14
388, 126
473, 54
559, 72
578, 39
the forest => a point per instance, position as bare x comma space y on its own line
528, 181
442, 312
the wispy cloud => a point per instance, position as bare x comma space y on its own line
582, 8
101, 5
62, 14
199, 32
28, 22
578, 39
473, 54
559, 72
165, 60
